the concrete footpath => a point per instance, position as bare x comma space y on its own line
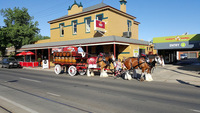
183, 74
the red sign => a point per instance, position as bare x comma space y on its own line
99, 25
178, 38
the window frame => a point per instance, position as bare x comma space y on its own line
73, 27
62, 31
98, 16
129, 25
85, 20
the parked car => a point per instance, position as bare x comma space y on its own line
9, 62
183, 56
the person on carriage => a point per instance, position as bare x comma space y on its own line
80, 51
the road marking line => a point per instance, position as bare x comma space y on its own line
195, 110
30, 80
53, 94
18, 105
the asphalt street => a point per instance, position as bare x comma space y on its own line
23, 91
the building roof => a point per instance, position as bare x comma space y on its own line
87, 42
88, 9
91, 8
94, 7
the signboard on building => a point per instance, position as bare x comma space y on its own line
142, 47
177, 42
179, 38
99, 25
135, 52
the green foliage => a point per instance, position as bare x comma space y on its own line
19, 27
39, 59
40, 37
3, 41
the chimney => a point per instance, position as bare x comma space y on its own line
123, 5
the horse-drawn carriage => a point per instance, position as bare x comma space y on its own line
70, 59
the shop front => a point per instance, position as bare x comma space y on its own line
169, 46
120, 47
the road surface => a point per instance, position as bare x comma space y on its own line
44, 92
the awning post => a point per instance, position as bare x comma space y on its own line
49, 54
114, 50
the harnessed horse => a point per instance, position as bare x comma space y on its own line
103, 62
133, 63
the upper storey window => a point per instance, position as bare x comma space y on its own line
74, 27
62, 29
99, 17
129, 25
87, 24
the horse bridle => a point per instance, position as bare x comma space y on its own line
107, 63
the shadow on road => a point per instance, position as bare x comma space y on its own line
187, 83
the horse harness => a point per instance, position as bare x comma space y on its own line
138, 63
103, 59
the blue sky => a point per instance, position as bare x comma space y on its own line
157, 17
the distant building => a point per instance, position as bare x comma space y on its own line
171, 47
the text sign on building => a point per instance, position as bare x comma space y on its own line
177, 45
99, 25
135, 52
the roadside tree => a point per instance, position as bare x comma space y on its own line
3, 41
20, 29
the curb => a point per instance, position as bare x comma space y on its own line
41, 69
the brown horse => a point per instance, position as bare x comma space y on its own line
133, 63
100, 62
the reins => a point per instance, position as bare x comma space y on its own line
138, 64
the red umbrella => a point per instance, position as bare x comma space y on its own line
29, 53
22, 53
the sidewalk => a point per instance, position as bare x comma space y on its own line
40, 68
187, 74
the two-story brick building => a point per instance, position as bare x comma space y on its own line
118, 33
